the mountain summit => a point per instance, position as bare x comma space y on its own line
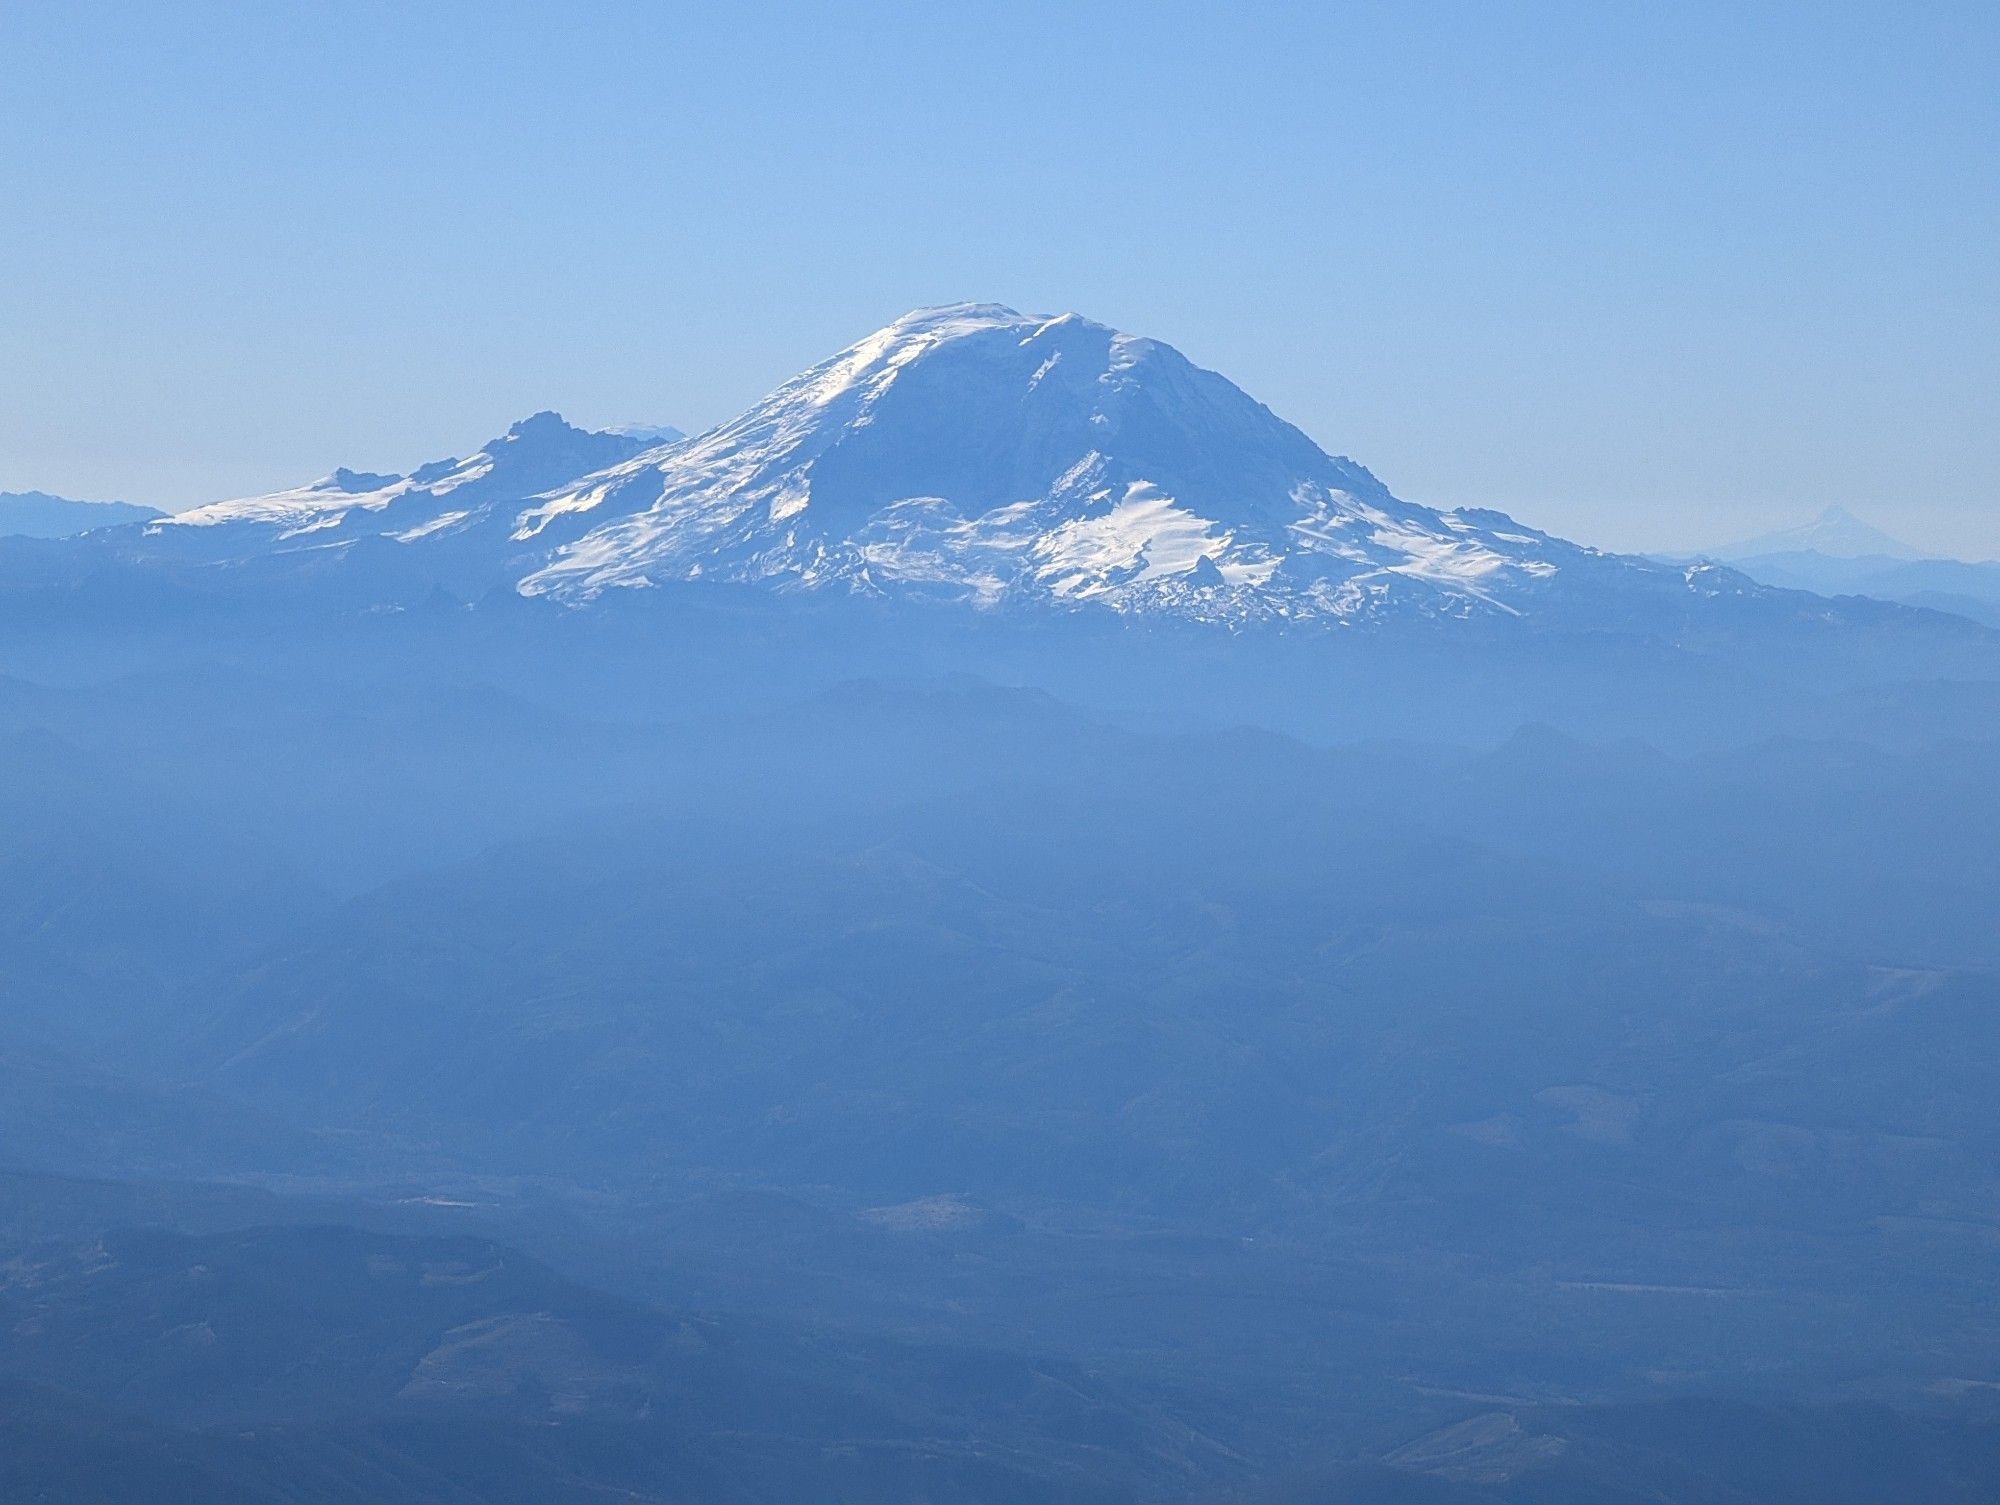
1836, 533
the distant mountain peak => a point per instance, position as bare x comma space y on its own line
1836, 533
547, 424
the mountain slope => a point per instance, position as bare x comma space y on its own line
37, 514
445, 500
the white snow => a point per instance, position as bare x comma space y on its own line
294, 509
438, 524
1141, 538
448, 499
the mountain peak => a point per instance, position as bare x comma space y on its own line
1835, 532
956, 316
547, 424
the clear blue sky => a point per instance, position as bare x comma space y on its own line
1650, 275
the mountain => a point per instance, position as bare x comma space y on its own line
971, 456
976, 454
1836, 533
969, 489
37, 514
441, 499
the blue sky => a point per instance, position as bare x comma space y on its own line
1647, 275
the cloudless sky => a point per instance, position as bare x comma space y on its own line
1648, 275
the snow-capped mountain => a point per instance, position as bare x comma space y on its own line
1835, 533
443, 499
976, 453
966, 454
1838, 554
